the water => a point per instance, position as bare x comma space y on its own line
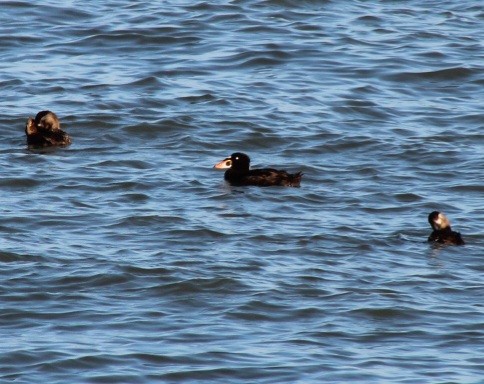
125, 258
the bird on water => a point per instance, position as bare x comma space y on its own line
44, 131
442, 232
238, 173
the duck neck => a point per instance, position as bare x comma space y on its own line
237, 171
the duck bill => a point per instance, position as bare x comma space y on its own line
224, 164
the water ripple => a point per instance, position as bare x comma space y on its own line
126, 257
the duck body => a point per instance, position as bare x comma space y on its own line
446, 237
442, 232
238, 173
45, 131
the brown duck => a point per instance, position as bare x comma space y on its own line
442, 232
45, 131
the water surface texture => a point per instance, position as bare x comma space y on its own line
125, 258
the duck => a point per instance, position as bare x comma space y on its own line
442, 232
44, 131
238, 173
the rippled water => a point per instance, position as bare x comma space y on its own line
125, 258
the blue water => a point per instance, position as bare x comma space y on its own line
126, 258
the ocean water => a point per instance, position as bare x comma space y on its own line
126, 258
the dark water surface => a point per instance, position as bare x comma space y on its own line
125, 258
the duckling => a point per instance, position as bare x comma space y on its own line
442, 232
45, 131
238, 173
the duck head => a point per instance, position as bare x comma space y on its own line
438, 221
238, 162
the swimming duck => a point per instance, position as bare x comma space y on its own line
45, 131
238, 173
442, 233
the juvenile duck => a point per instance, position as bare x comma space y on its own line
442, 232
238, 173
45, 131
